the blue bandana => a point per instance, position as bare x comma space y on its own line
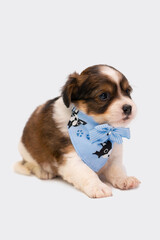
93, 142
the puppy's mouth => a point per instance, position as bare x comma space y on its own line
121, 122
126, 118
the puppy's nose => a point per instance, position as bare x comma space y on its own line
127, 109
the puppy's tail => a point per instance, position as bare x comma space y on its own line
21, 168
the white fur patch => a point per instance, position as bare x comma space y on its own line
116, 115
114, 167
115, 75
61, 114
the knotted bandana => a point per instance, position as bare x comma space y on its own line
92, 141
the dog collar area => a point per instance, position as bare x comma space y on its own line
93, 142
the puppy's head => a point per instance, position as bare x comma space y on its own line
102, 92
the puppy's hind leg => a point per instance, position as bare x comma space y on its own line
32, 168
21, 168
29, 166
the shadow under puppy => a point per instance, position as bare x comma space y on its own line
78, 135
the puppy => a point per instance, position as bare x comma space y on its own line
102, 94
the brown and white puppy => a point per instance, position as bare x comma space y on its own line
100, 91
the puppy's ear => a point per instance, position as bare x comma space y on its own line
70, 89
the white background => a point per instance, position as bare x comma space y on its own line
41, 42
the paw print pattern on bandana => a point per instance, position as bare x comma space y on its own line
79, 133
88, 137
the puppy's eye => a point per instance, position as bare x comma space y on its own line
104, 96
128, 91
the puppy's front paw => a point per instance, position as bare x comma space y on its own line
126, 183
98, 190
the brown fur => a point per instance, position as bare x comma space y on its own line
125, 87
43, 139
